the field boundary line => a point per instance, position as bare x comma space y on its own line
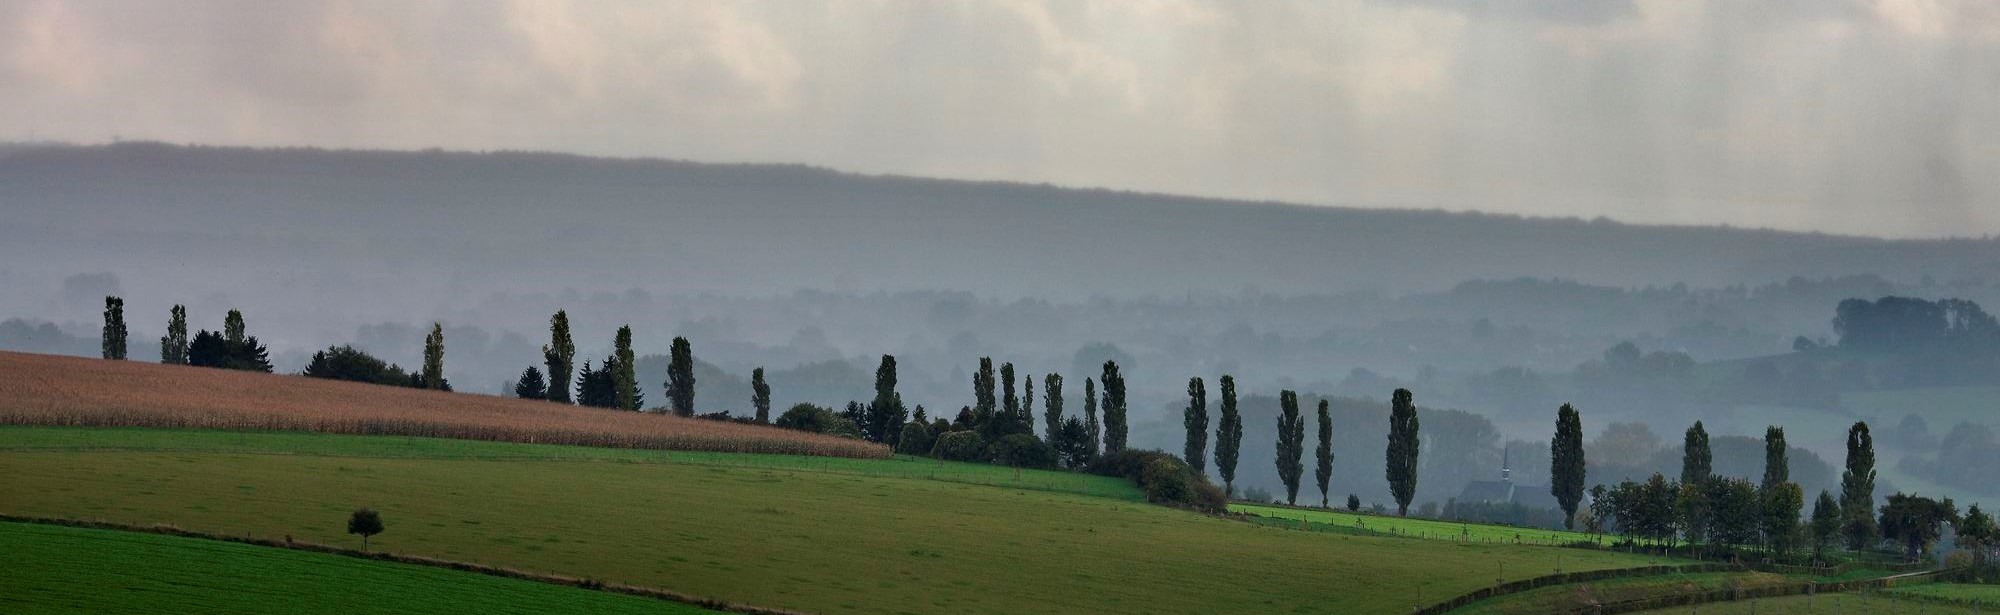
416, 560
1565, 578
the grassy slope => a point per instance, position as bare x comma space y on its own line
1830, 604
1565, 597
787, 538
1985, 594
1416, 527
71, 570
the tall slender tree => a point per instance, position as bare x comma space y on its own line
1777, 470
1195, 419
1114, 408
1324, 454
1228, 436
883, 420
1052, 406
983, 404
625, 377
434, 358
114, 328
680, 377
174, 345
559, 356
1697, 462
1291, 444
760, 395
1009, 404
233, 329
1857, 490
1825, 523
1566, 464
1402, 453
1090, 422
1027, 403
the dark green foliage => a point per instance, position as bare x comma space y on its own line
1737, 512
1010, 406
1165, 478
1090, 415
885, 415
1777, 470
114, 333
1825, 523
982, 393
1694, 511
1857, 489
809, 417
1052, 408
680, 377
915, 439
1566, 463
1072, 443
1291, 444
1021, 450
233, 329
1647, 510
760, 396
1114, 408
959, 446
365, 522
1976, 533
625, 378
174, 345
1228, 436
1916, 521
1195, 420
1600, 509
1697, 461
595, 387
209, 349
1782, 504
559, 356
1323, 471
1353, 503
346, 362
1402, 450
433, 376
531, 385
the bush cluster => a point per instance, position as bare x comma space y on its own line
1165, 479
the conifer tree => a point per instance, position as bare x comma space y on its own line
434, 358
1090, 422
114, 329
1228, 436
1402, 452
1291, 444
1566, 463
680, 377
531, 385
1324, 454
625, 378
1114, 408
174, 345
559, 355
760, 395
1052, 406
1195, 420
1857, 490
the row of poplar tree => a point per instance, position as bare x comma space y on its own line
230, 348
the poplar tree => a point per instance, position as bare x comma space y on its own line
1027, 418
114, 329
1777, 470
625, 377
982, 392
559, 355
233, 330
1697, 462
1009, 404
1228, 436
1114, 408
680, 377
1195, 419
1566, 463
1291, 444
1090, 415
1052, 406
1857, 490
434, 358
1324, 455
174, 345
883, 419
1402, 452
760, 395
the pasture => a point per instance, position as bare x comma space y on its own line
1414, 527
53, 390
1827, 604
793, 538
50, 569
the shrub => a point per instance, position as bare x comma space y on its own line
915, 440
806, 417
1164, 477
1353, 503
959, 446
1021, 451
345, 362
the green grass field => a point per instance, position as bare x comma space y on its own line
1984, 594
1828, 604
1418, 528
1564, 598
854, 539
53, 570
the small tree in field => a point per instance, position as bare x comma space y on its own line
366, 522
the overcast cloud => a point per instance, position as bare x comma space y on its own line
1861, 117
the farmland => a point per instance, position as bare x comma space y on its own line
798, 538
1416, 527
168, 575
1830, 604
51, 390
1564, 598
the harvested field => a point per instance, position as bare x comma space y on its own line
69, 391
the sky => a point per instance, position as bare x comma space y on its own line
1848, 116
